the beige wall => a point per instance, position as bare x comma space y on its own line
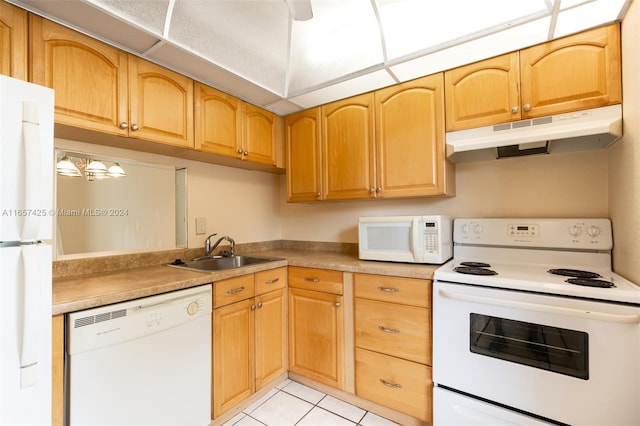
624, 157
563, 185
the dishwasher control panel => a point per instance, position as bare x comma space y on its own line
113, 324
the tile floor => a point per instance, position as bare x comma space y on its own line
291, 403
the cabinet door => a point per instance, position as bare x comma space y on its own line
304, 172
13, 41
233, 349
348, 166
57, 370
89, 77
218, 121
161, 104
271, 336
259, 135
572, 73
316, 336
410, 144
483, 93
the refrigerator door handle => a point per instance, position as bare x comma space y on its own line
30, 313
32, 172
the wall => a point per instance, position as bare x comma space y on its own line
562, 185
624, 157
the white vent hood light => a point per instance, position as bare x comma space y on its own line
575, 131
295, 54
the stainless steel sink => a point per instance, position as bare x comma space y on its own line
221, 263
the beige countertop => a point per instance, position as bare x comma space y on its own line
78, 292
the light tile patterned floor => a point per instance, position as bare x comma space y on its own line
291, 403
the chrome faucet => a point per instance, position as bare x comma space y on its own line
208, 248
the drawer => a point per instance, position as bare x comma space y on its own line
402, 385
233, 290
397, 330
324, 280
273, 279
408, 291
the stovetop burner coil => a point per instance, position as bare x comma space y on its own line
472, 270
476, 264
589, 282
576, 273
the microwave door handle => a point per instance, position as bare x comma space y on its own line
592, 315
415, 238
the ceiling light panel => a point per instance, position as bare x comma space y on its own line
146, 14
248, 37
587, 15
411, 26
340, 40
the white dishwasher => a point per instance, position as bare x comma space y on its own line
141, 362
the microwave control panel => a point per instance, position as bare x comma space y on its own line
431, 237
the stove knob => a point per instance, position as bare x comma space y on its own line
575, 230
477, 229
593, 231
465, 228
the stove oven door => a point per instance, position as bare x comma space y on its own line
555, 358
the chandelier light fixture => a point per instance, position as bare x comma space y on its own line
93, 169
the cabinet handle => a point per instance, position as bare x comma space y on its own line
389, 289
390, 385
388, 330
135, 127
317, 194
273, 281
337, 304
371, 190
526, 107
245, 153
124, 125
260, 305
378, 189
313, 280
253, 307
514, 109
240, 151
235, 290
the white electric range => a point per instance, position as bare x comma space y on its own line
527, 307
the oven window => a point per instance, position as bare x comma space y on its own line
549, 348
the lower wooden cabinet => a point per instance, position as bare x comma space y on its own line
316, 325
249, 336
57, 370
396, 383
393, 343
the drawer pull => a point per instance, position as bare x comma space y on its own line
273, 281
389, 289
390, 385
388, 330
313, 280
235, 290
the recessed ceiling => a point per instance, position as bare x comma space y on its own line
256, 50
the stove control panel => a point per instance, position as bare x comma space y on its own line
587, 234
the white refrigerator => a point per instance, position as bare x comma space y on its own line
26, 217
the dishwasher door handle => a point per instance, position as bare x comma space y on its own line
170, 301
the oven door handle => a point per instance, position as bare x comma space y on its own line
592, 315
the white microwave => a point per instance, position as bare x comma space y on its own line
414, 239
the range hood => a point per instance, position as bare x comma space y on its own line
575, 131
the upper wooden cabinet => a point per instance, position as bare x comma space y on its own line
348, 148
228, 126
304, 159
569, 74
13, 41
384, 144
101, 88
160, 104
572, 73
409, 138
